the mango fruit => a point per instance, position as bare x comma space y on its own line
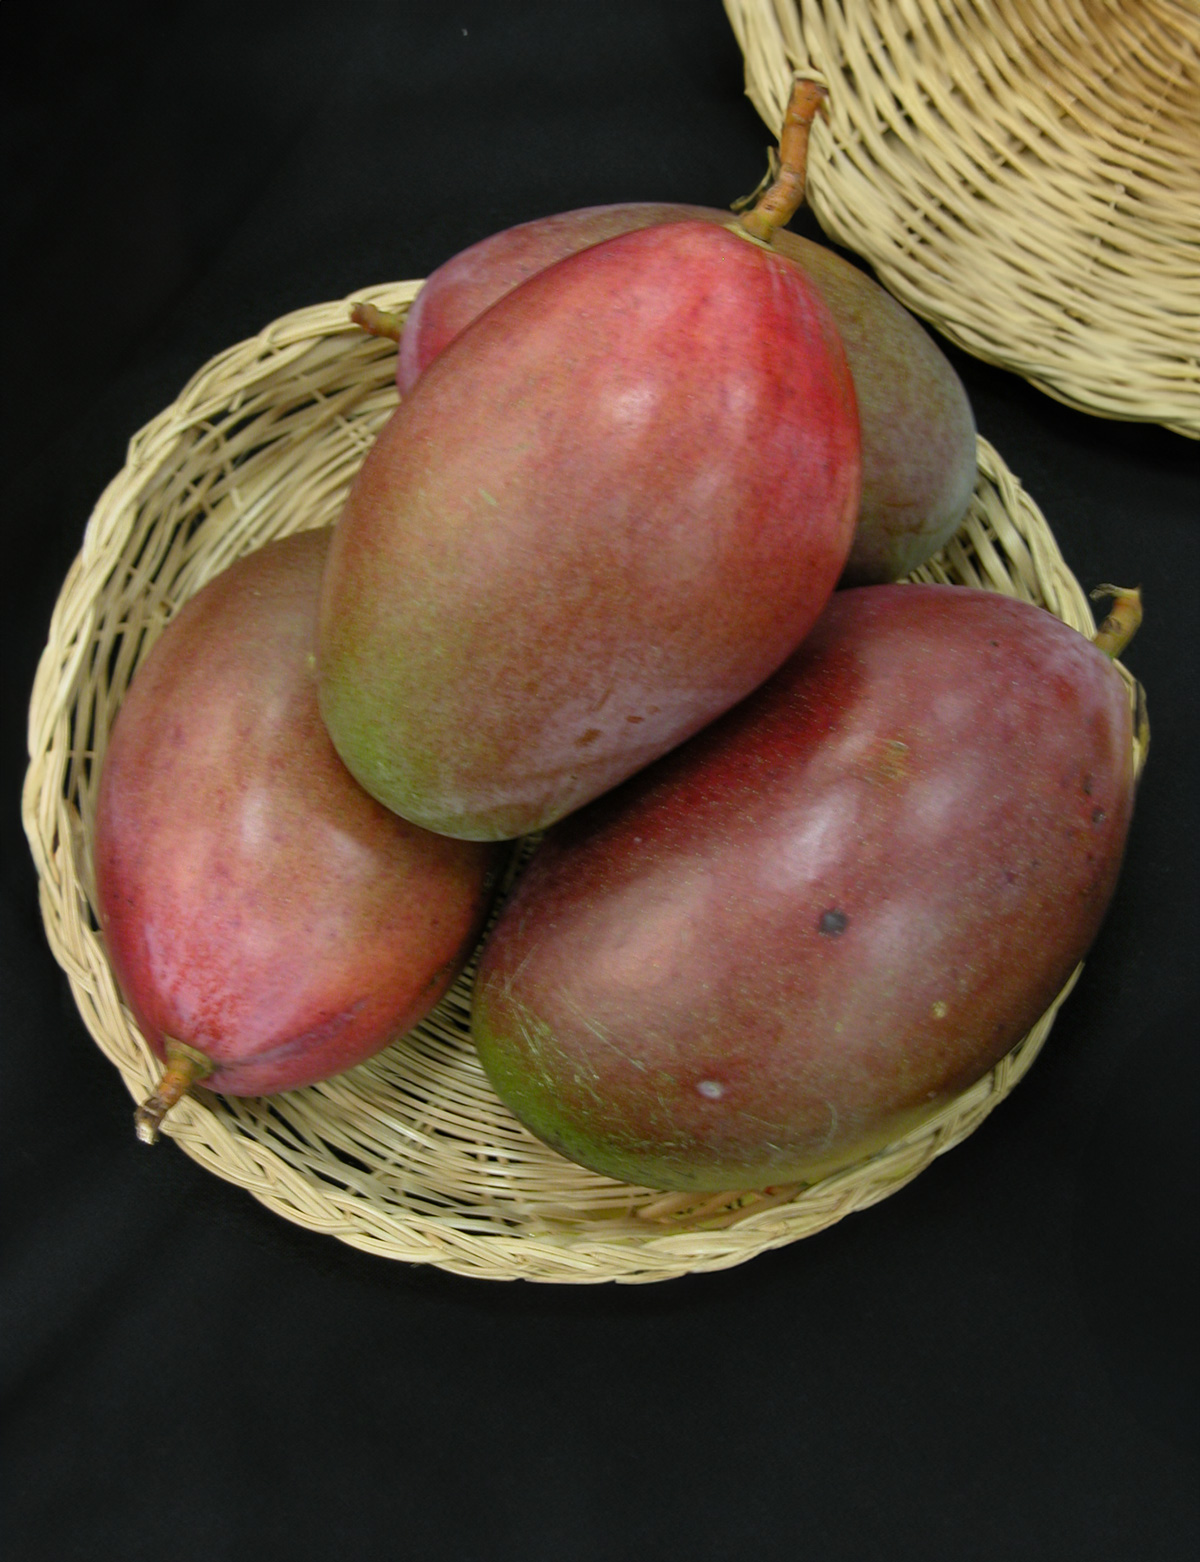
609, 509
811, 927
268, 923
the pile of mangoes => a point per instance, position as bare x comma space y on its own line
814, 849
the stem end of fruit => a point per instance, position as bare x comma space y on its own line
785, 195
186, 1066
1122, 621
376, 322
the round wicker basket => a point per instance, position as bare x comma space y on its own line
409, 1155
1025, 174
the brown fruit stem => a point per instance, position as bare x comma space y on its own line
783, 199
1123, 620
186, 1066
745, 202
376, 322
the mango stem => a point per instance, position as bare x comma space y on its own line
186, 1066
783, 198
1123, 619
377, 322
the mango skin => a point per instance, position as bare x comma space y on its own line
610, 508
255, 902
796, 937
918, 429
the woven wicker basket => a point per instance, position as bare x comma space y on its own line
1025, 174
409, 1155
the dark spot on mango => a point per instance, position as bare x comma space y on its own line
587, 737
1098, 816
832, 923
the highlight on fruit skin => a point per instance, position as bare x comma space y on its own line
267, 922
796, 938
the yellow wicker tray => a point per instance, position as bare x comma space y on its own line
409, 1155
1024, 174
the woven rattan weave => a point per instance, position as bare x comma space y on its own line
409, 1155
1025, 174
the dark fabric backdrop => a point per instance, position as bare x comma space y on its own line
995, 1363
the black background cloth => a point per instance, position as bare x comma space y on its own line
997, 1362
